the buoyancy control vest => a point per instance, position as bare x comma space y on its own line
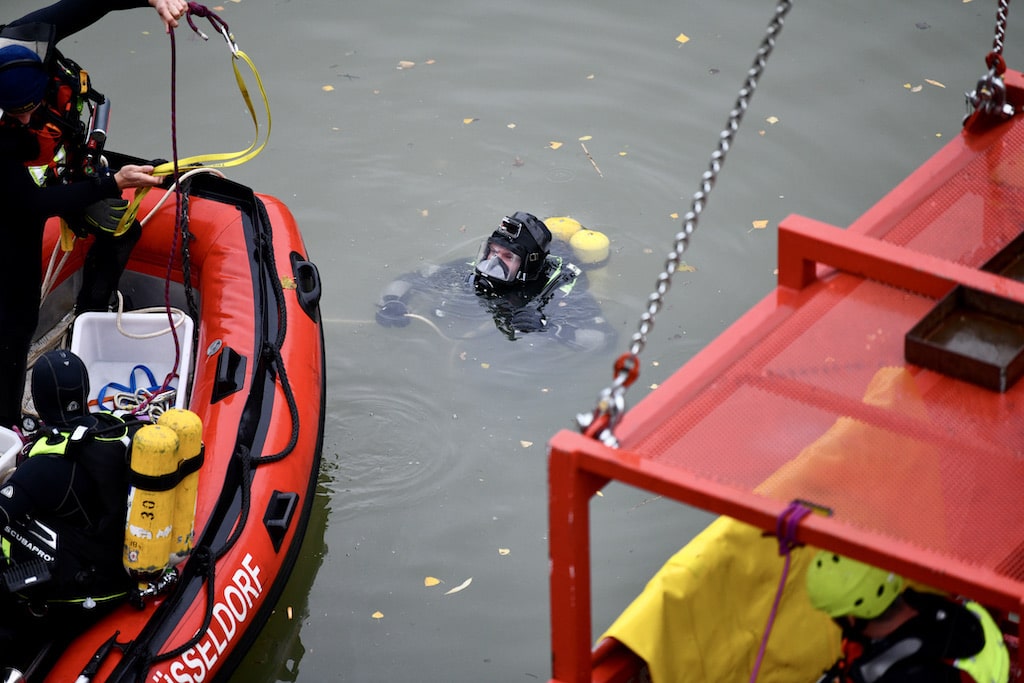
83, 540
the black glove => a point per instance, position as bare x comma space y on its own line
528, 320
105, 215
392, 314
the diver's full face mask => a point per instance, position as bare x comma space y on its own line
498, 261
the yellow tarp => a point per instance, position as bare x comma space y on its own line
702, 616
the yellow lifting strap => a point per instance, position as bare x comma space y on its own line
215, 160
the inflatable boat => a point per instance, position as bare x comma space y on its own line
219, 316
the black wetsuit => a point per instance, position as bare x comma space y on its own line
26, 207
556, 304
66, 505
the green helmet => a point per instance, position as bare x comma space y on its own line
839, 586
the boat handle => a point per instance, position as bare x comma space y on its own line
307, 285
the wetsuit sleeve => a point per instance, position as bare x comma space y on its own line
71, 16
25, 203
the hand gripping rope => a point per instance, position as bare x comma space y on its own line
600, 423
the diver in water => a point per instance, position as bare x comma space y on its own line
517, 279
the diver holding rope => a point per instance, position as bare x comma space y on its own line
47, 168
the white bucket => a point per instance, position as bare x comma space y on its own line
144, 339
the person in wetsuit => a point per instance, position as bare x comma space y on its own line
42, 175
62, 516
893, 634
518, 278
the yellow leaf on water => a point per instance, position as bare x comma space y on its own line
430, 61
586, 137
503, 551
673, 215
772, 120
684, 267
600, 493
469, 121
525, 444
622, 154
917, 88
461, 586
907, 86
935, 83
406, 64
682, 38
760, 224
554, 145
377, 615
485, 366
431, 581
327, 88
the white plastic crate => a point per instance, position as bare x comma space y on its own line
144, 339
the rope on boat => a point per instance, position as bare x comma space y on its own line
601, 422
785, 531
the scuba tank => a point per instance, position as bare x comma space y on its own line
165, 463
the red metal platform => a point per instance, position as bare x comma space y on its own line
935, 490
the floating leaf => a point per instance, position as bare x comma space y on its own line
430, 61
600, 493
759, 224
461, 586
673, 215
917, 88
406, 64
485, 366
586, 137
685, 268
525, 444
682, 38
377, 615
554, 145
935, 83
510, 125
622, 154
327, 88
590, 77
772, 120
424, 212
503, 551
431, 581
469, 120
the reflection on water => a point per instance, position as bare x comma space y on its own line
434, 456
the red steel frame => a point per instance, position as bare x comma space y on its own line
580, 466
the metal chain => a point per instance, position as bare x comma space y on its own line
1002, 15
611, 403
988, 98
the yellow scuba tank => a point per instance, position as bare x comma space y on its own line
147, 535
165, 463
189, 429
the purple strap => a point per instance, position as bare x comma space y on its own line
785, 530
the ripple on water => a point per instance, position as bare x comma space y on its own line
394, 446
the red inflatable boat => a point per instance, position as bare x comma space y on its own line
226, 296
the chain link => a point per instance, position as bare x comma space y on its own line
988, 99
611, 402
